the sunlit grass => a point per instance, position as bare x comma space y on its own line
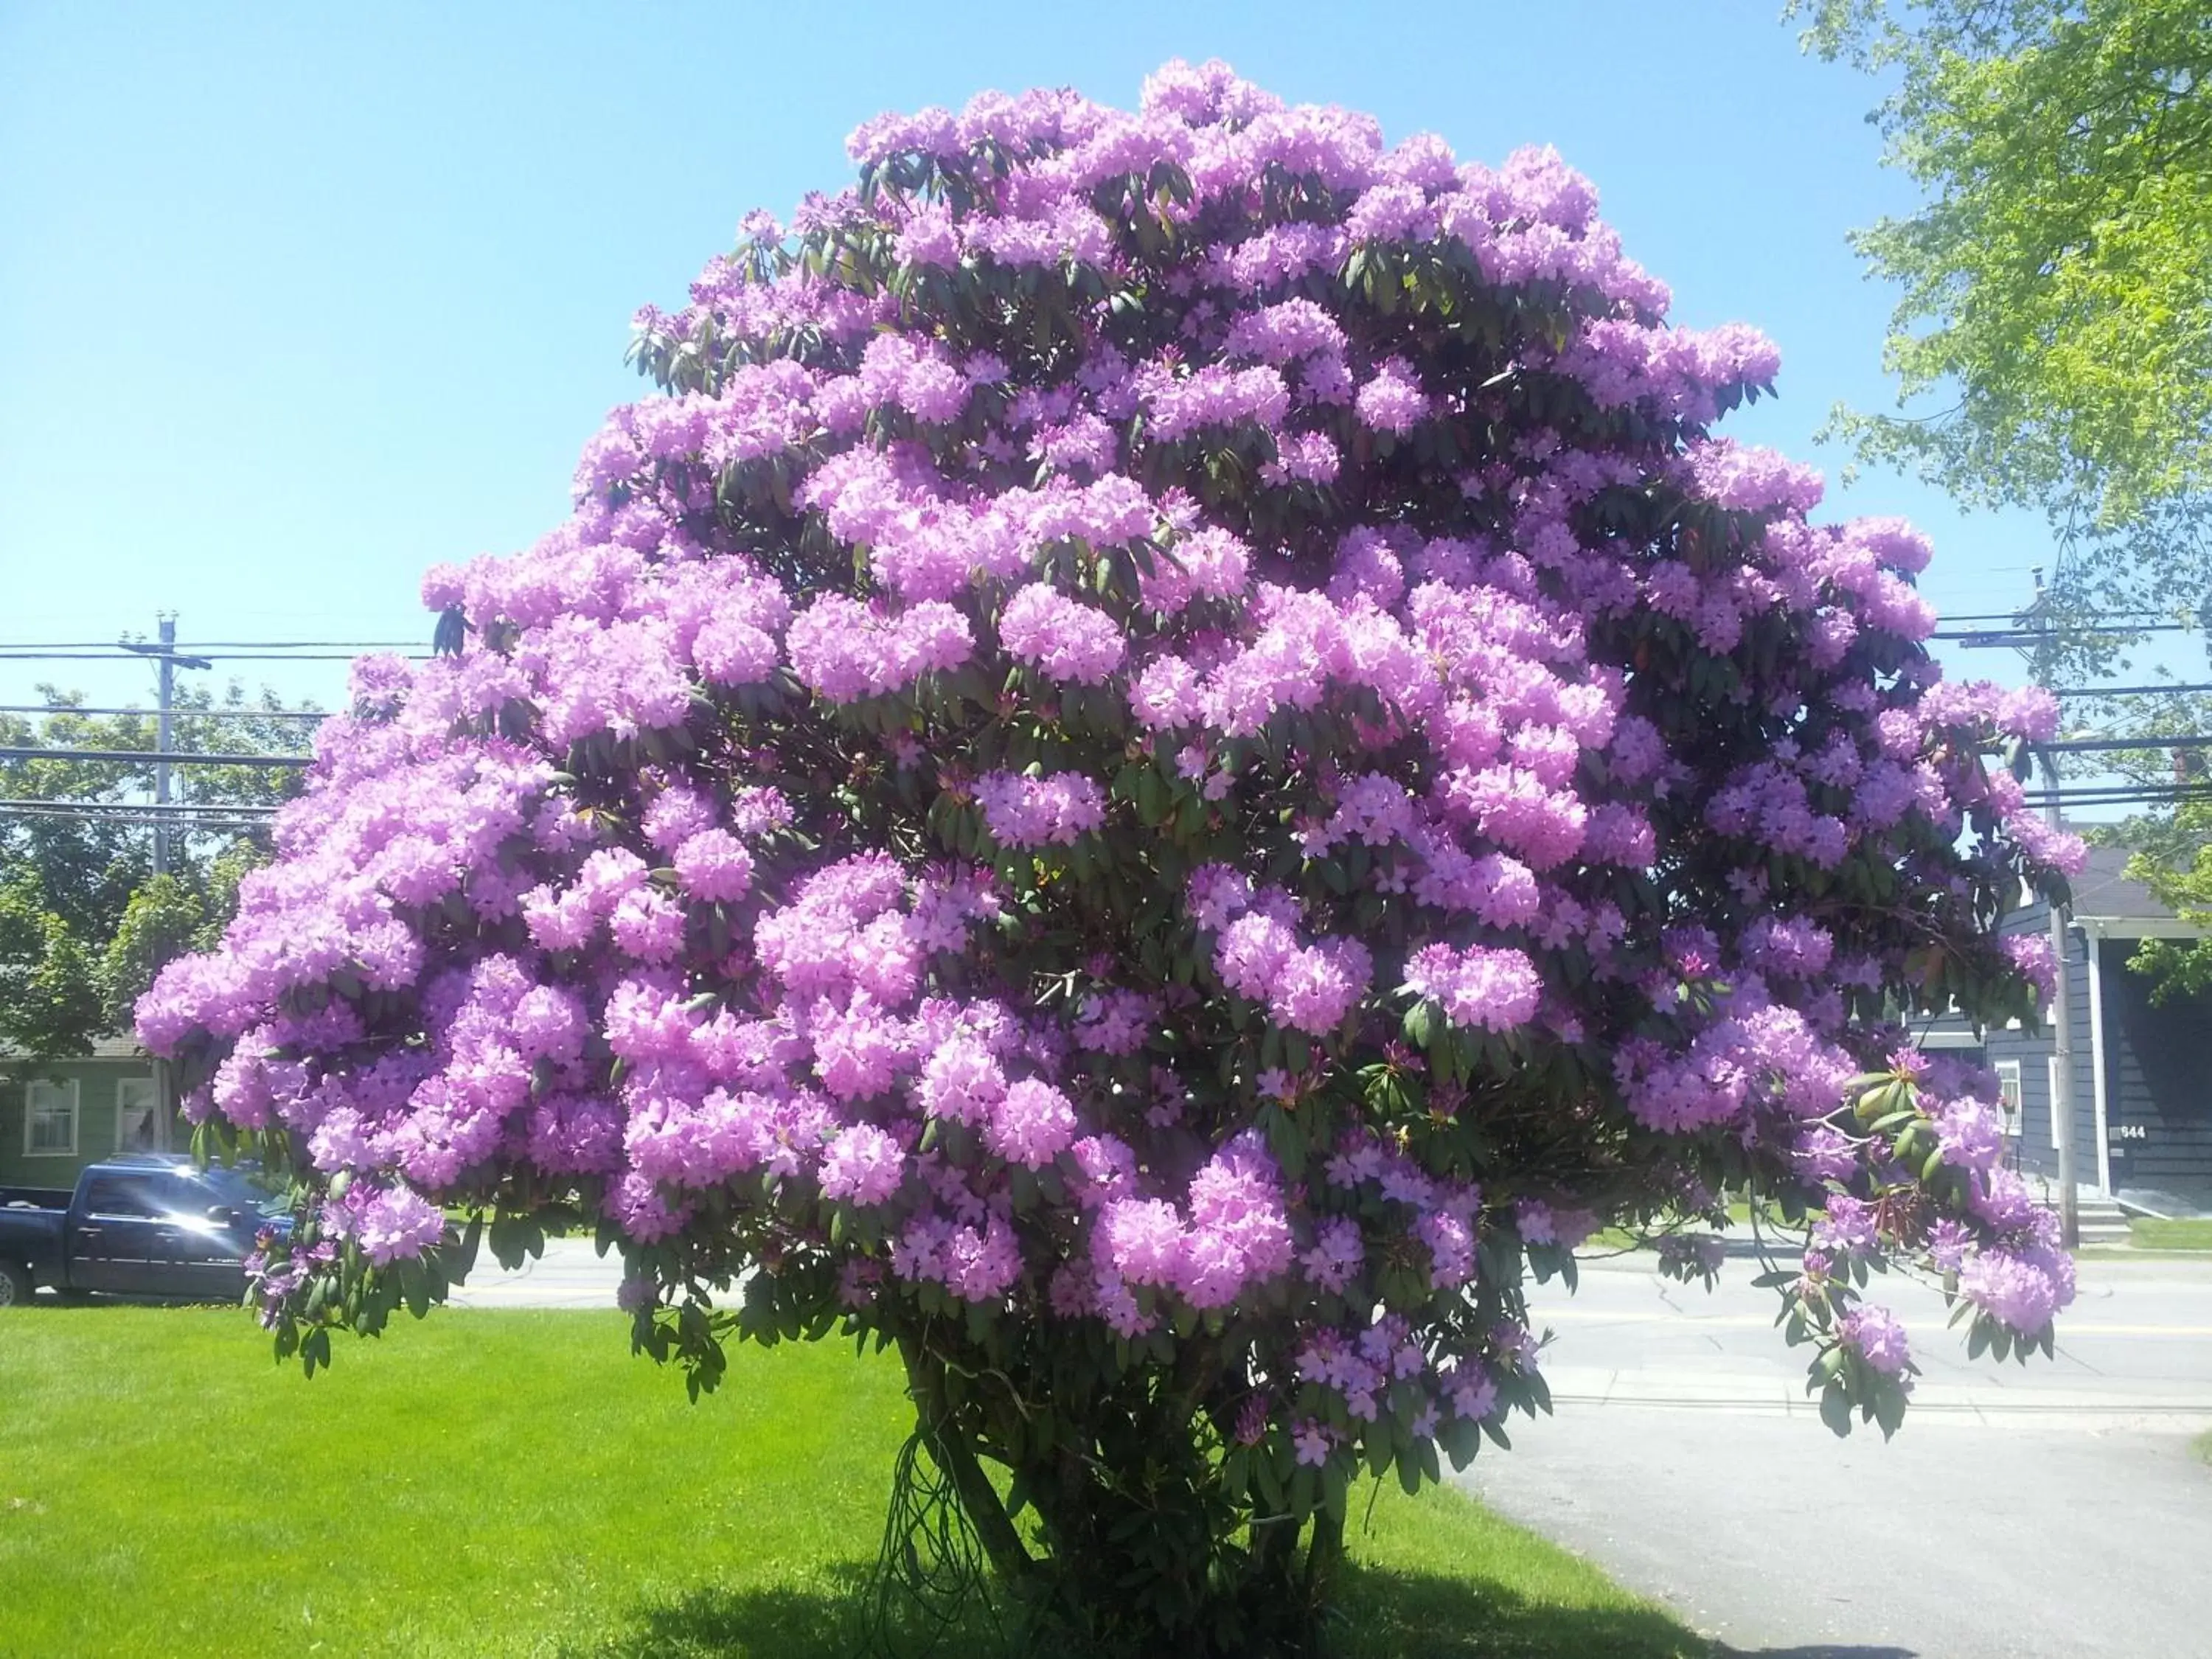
2152, 1233
518, 1484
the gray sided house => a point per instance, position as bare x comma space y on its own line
59, 1117
2143, 1071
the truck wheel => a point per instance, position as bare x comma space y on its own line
14, 1285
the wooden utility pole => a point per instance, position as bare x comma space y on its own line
167, 662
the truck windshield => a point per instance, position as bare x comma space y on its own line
245, 1189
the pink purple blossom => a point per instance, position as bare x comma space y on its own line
1000, 790
1874, 1334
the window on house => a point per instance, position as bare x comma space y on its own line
2008, 1096
136, 1127
49, 1119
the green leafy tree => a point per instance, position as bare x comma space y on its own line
85, 922
2057, 293
2052, 339
2173, 858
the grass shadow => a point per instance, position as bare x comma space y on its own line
826, 1620
1391, 1613
1383, 1613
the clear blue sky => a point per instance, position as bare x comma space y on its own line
295, 301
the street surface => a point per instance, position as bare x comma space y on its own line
570, 1274
2042, 1512
2021, 1513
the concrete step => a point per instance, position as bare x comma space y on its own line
2101, 1221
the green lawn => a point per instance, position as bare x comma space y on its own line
2149, 1233
517, 1484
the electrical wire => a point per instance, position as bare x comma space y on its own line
152, 757
147, 817
2092, 745
2127, 691
37, 804
2016, 617
223, 656
301, 645
180, 712
2121, 797
2035, 635
184, 648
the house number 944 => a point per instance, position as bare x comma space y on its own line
2131, 1132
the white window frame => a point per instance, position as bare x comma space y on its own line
2008, 1097
32, 1109
151, 1105
2052, 1084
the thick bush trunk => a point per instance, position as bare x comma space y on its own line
1133, 1548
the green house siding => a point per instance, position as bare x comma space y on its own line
98, 1085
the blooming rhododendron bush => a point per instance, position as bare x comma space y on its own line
1170, 759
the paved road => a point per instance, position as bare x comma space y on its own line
570, 1274
2035, 1513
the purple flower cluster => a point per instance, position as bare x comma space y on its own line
2020, 1287
1260, 954
1495, 990
384, 1222
1024, 812
1060, 697
1875, 1336
1065, 639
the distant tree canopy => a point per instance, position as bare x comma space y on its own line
85, 924
2173, 858
2056, 291
2056, 315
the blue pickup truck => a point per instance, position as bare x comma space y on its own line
145, 1225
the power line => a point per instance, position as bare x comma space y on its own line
186, 810
2117, 795
148, 646
114, 655
2090, 745
180, 712
304, 645
2041, 636
210, 645
311, 656
153, 757
147, 817
136, 812
2015, 618
2126, 690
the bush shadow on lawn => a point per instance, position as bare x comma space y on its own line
1383, 1613
825, 1622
